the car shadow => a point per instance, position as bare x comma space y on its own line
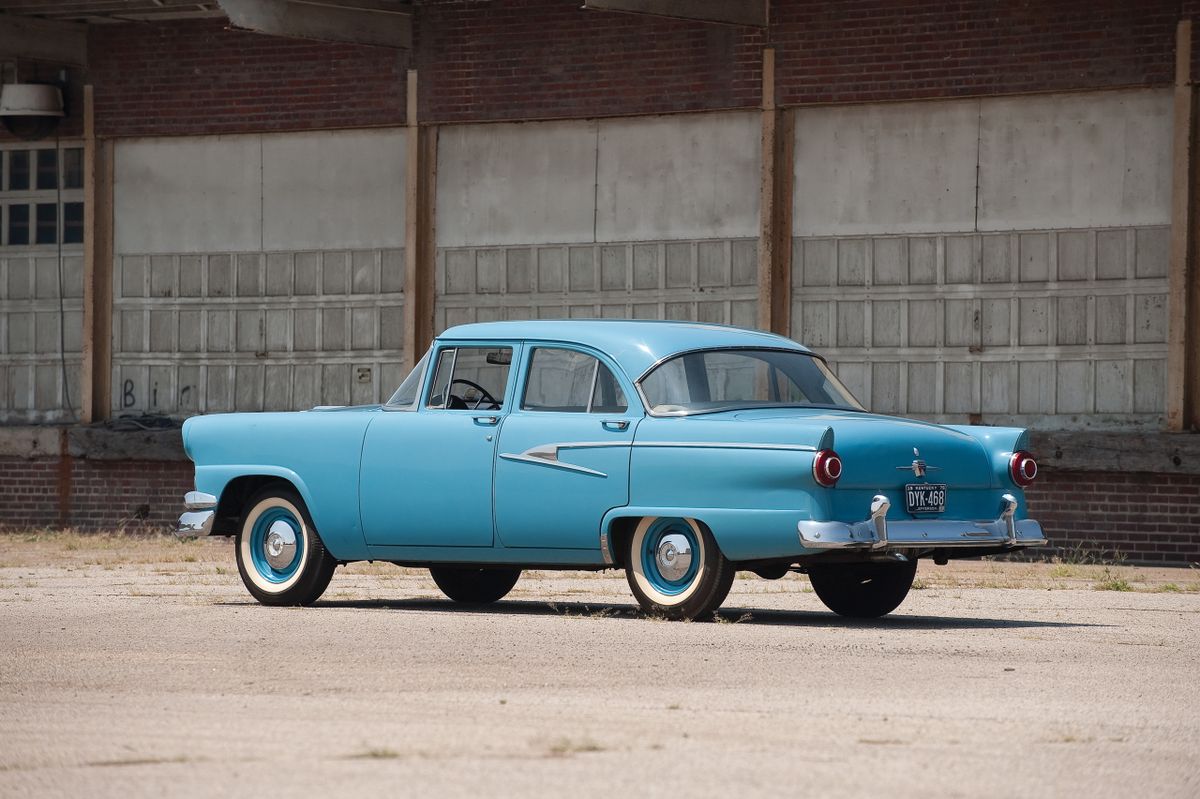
728, 615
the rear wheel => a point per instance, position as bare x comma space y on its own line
279, 554
675, 569
474, 586
863, 590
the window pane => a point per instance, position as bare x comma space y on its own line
47, 169
441, 379
47, 223
72, 223
406, 395
480, 377
608, 396
18, 170
559, 380
18, 224
73, 168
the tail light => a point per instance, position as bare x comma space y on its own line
827, 468
1022, 468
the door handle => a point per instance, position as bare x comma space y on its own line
614, 424
487, 420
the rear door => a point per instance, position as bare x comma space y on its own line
564, 450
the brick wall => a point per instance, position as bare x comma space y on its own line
1143, 516
201, 77
92, 494
538, 59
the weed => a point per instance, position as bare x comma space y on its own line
222, 570
376, 753
1112, 582
1168, 588
1062, 570
919, 585
719, 619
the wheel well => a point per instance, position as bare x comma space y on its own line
621, 533
233, 499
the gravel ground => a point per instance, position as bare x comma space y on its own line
140, 666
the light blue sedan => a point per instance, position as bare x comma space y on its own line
679, 452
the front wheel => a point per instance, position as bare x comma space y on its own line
675, 569
863, 590
279, 554
474, 586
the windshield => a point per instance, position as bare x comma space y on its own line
719, 380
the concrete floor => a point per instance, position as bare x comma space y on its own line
141, 667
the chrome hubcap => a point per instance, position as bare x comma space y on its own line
280, 545
673, 556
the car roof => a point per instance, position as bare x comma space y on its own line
635, 345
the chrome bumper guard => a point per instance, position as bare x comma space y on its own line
201, 511
876, 532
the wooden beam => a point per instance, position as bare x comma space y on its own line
1183, 324
775, 209
96, 368
420, 250
727, 12
324, 22
42, 40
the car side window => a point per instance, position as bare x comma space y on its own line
568, 381
470, 378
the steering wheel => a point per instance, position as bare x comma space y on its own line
484, 393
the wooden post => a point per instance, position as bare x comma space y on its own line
95, 376
420, 250
775, 208
1183, 326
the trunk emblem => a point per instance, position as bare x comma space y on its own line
918, 466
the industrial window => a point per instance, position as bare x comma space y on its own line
41, 196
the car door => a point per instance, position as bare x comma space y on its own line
426, 475
564, 450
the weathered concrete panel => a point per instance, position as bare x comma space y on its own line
678, 177
1100, 159
894, 168
529, 183
333, 189
188, 194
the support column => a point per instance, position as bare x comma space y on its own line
1183, 329
775, 208
95, 376
420, 244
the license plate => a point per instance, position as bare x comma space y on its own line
925, 497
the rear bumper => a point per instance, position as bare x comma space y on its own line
877, 533
201, 512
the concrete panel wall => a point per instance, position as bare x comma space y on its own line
308, 311
1076, 160
333, 190
981, 312
649, 218
194, 194
530, 183
680, 177
880, 169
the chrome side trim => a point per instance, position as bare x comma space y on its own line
604, 550
195, 523
547, 455
725, 445
877, 533
198, 500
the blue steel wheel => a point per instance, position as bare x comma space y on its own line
675, 569
280, 556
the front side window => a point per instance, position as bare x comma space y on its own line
470, 378
716, 380
568, 381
